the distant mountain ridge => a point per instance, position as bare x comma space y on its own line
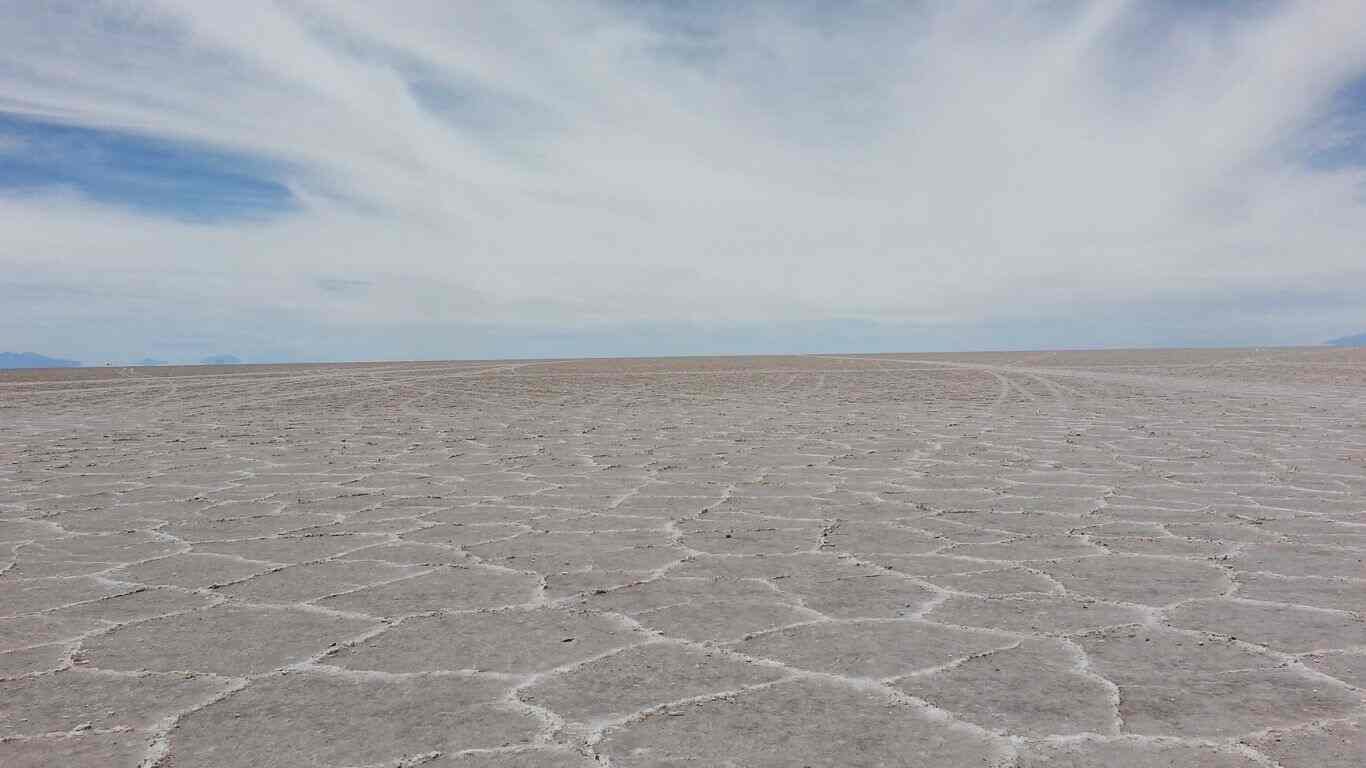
34, 360
1358, 340
221, 360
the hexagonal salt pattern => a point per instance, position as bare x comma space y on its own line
1129, 559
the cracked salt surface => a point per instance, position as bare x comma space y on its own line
1033, 560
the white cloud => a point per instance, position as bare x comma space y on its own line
582, 163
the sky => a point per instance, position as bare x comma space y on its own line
427, 179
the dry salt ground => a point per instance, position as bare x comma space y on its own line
1124, 559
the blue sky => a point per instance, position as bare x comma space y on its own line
302, 179
151, 175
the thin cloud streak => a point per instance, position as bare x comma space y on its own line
597, 165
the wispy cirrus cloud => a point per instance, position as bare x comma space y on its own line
935, 171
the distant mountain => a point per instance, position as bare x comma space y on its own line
150, 361
1358, 340
221, 360
34, 360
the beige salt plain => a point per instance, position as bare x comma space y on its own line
1022, 560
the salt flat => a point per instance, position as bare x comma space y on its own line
1133, 559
